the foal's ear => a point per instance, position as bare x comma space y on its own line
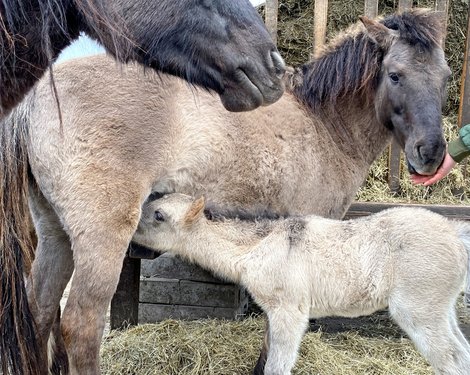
380, 33
195, 211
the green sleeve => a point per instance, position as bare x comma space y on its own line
459, 148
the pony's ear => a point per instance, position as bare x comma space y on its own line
381, 34
195, 211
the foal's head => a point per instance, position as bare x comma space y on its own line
164, 221
412, 84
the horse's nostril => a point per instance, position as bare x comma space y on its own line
418, 151
279, 64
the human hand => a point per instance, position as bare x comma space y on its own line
441, 172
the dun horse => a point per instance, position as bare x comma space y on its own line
410, 260
220, 45
124, 135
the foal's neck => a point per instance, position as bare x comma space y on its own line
223, 246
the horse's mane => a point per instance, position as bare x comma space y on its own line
351, 63
215, 213
55, 16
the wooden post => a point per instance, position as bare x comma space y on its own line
394, 152
443, 6
404, 5
125, 302
464, 107
271, 14
371, 8
320, 22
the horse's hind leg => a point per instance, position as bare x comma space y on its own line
432, 331
51, 269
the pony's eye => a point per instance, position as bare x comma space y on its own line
394, 77
158, 216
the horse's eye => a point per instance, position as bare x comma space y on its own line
158, 216
394, 77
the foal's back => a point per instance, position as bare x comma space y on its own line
406, 243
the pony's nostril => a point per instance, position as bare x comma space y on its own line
419, 149
279, 64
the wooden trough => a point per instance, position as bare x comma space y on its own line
165, 287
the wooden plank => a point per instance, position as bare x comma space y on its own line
169, 266
186, 292
360, 209
125, 302
464, 107
320, 22
371, 8
271, 15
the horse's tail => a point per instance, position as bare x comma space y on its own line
19, 349
463, 230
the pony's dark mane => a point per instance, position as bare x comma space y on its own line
214, 213
351, 64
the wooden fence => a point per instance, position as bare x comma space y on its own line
125, 304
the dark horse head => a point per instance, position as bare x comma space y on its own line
221, 45
412, 88
397, 65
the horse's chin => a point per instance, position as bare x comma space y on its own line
238, 101
244, 95
421, 171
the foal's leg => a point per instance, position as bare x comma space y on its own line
286, 329
101, 232
51, 269
458, 332
259, 368
431, 330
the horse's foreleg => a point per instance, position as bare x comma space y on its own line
286, 329
98, 262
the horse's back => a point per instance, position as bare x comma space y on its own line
170, 136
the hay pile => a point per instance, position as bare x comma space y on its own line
368, 345
222, 347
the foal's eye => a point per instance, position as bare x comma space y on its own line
394, 77
158, 216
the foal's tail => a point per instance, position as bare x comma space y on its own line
19, 350
463, 230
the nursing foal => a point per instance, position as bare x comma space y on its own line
412, 260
